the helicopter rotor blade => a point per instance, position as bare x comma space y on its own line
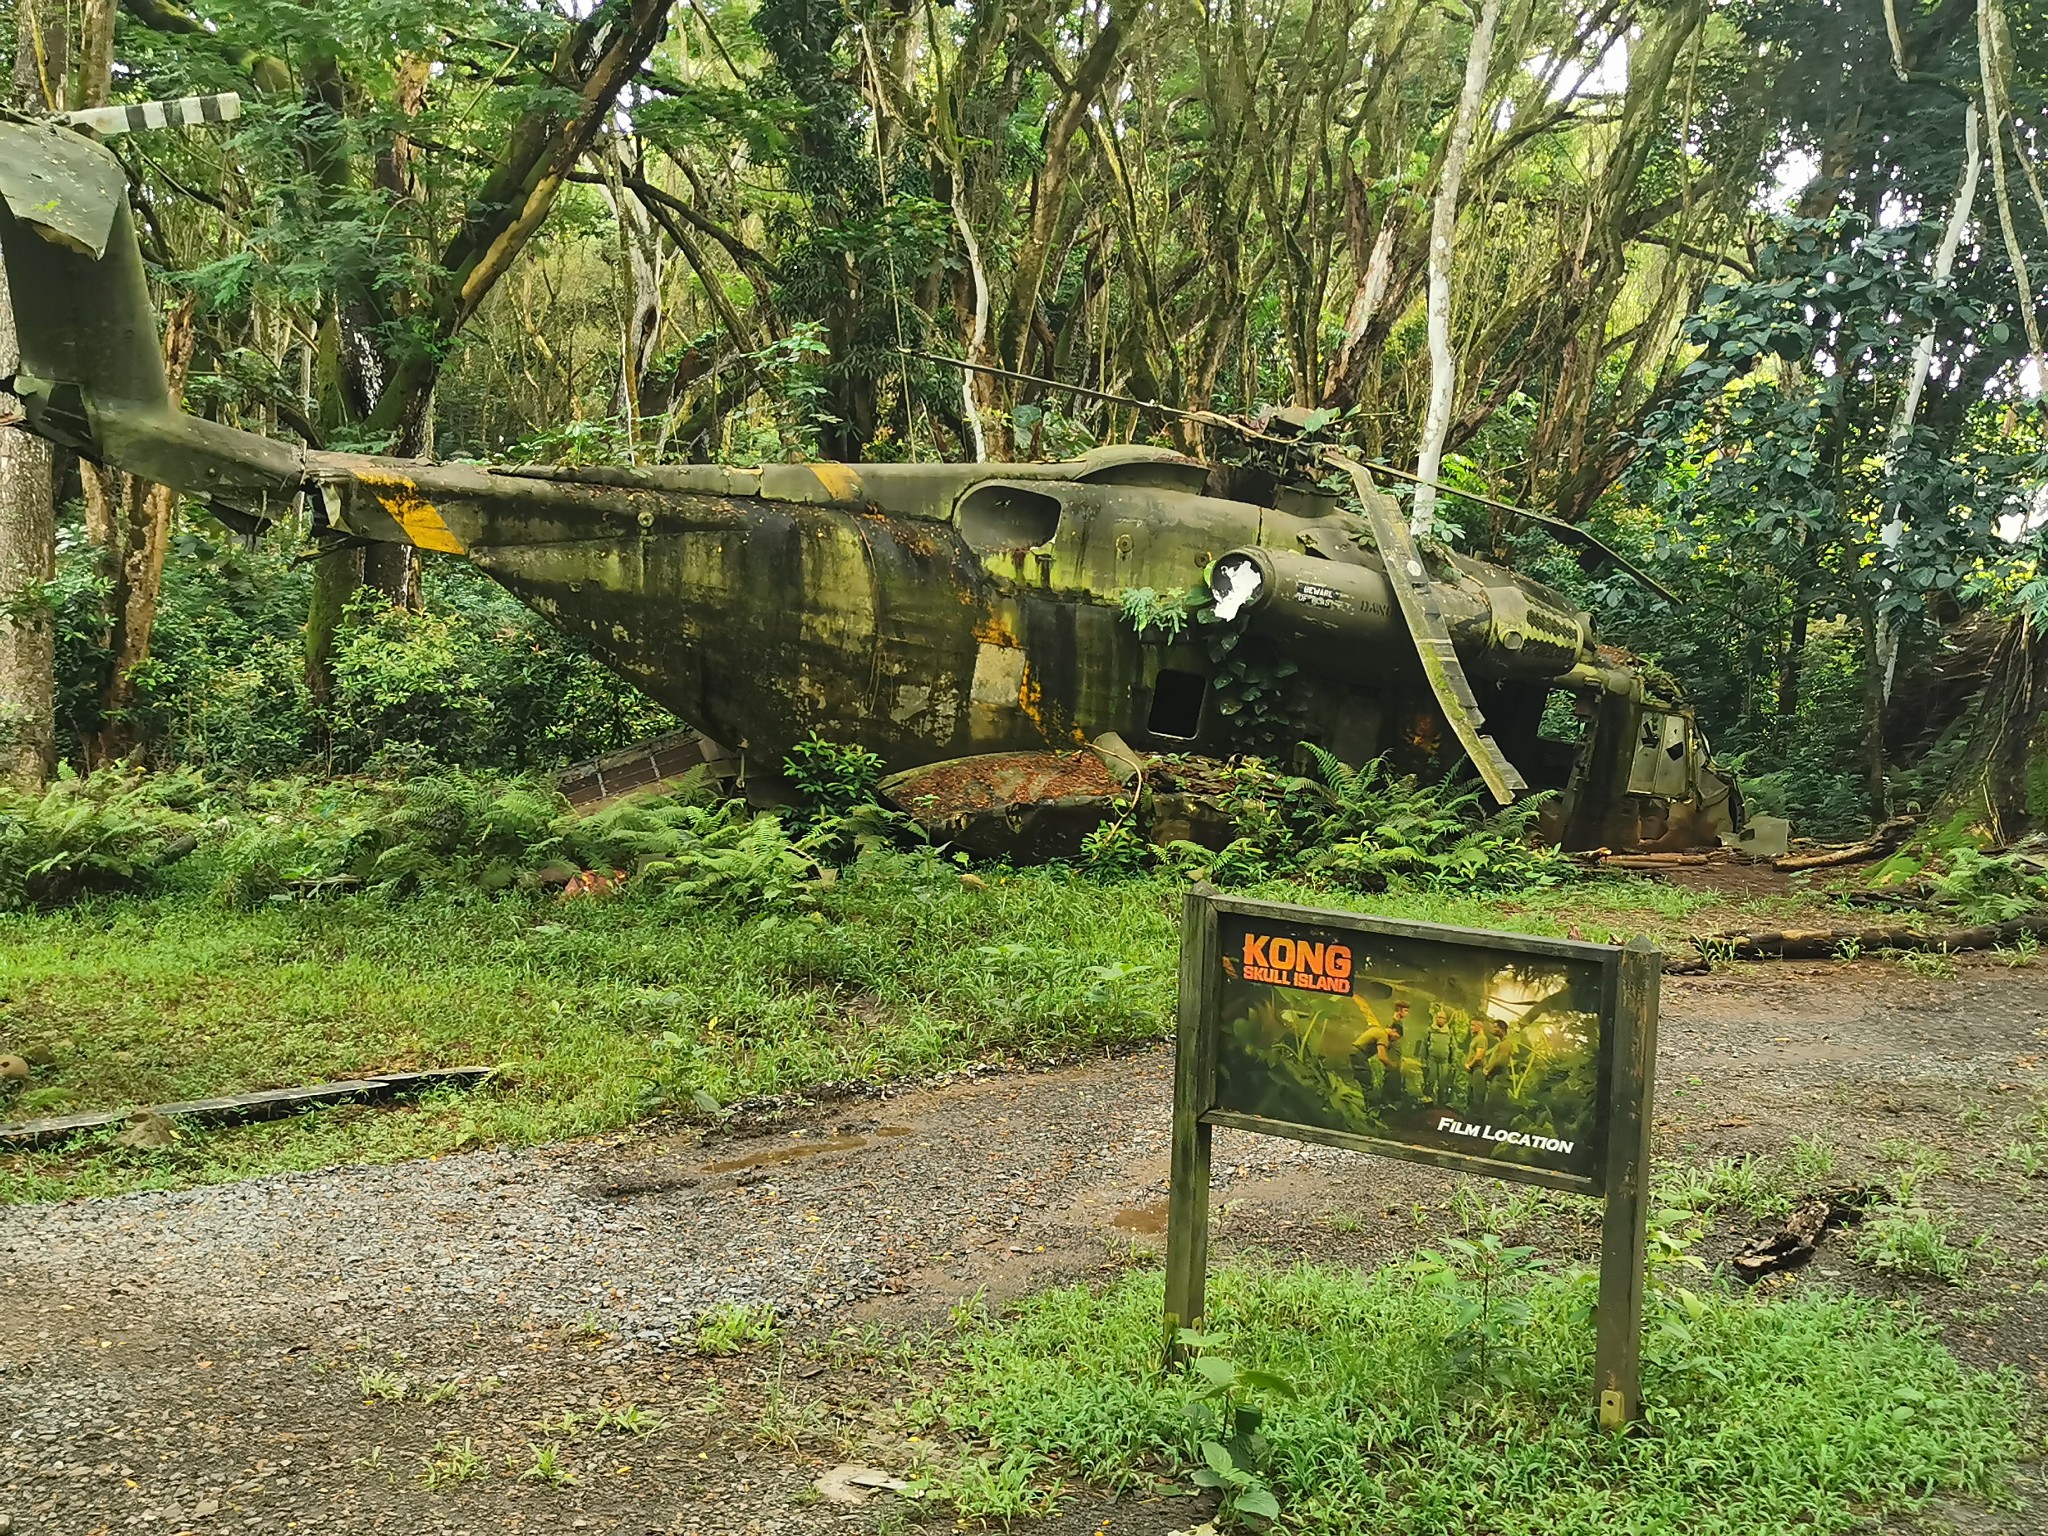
1415, 595
139, 117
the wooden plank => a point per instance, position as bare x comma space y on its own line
1617, 1359
1194, 1087
243, 1108
1351, 1141
1441, 933
639, 766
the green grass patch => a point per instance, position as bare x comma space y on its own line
1455, 1396
600, 1012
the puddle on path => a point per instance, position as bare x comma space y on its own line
797, 1151
1147, 1219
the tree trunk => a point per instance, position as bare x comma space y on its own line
144, 533
1900, 438
1789, 676
28, 546
94, 83
339, 572
1873, 717
2000, 789
639, 290
336, 576
1994, 68
28, 500
1443, 227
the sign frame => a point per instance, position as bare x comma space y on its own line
1631, 979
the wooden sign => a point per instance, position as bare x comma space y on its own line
1520, 1058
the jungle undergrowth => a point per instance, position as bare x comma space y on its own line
670, 954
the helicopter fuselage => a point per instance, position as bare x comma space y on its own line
925, 611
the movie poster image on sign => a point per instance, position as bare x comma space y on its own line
1465, 1047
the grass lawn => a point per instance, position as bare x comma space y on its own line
601, 1012
1454, 1394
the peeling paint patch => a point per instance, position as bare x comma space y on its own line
999, 673
999, 677
912, 700
1031, 699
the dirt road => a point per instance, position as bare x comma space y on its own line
329, 1352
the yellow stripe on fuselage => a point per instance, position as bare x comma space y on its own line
839, 480
421, 519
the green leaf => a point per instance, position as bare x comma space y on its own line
1266, 1381
1257, 1500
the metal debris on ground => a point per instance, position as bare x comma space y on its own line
852, 1484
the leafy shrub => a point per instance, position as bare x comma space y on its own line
115, 830
1990, 888
1116, 851
702, 853
476, 680
1358, 828
1161, 615
832, 777
1381, 828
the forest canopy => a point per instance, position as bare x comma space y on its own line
1751, 287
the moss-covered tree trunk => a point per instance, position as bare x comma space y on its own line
2000, 789
28, 506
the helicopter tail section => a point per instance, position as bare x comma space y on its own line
90, 372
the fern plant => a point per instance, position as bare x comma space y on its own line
1380, 828
109, 831
1992, 888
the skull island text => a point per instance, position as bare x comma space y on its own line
1299, 963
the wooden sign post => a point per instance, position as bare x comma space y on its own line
1521, 1058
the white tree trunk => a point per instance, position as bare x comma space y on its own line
1994, 44
1443, 229
639, 291
1901, 433
977, 339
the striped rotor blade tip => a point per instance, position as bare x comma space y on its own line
186, 111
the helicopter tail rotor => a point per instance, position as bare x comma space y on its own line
90, 373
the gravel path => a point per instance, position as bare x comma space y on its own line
197, 1360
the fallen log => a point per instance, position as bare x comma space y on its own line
241, 1108
1652, 861
1793, 1245
1880, 844
1826, 943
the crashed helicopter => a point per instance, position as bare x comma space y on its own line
972, 624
